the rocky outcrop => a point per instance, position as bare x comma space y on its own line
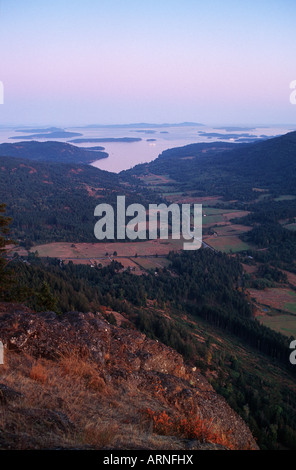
125, 358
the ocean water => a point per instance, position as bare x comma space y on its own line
154, 140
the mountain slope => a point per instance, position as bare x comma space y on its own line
56, 201
89, 376
231, 170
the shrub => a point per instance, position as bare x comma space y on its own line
189, 427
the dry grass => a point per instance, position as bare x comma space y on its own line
67, 404
82, 369
39, 372
100, 435
71, 389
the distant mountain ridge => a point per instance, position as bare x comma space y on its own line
140, 125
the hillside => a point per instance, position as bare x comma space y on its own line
199, 304
78, 382
50, 152
193, 306
56, 201
230, 170
50, 201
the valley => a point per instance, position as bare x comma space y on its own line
228, 309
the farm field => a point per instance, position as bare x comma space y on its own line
189, 198
229, 230
249, 269
152, 179
64, 250
213, 216
291, 278
278, 298
228, 243
291, 226
150, 263
285, 324
276, 309
285, 197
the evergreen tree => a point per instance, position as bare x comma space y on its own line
5, 279
45, 299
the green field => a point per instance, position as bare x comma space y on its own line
285, 197
229, 230
228, 244
285, 324
291, 226
209, 211
291, 307
209, 220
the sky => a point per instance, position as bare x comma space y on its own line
79, 62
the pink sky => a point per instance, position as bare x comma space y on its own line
169, 61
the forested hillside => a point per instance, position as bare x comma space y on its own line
195, 307
51, 152
56, 201
230, 170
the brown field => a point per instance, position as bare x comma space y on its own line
291, 278
151, 263
99, 251
259, 190
249, 269
16, 249
277, 298
235, 215
156, 179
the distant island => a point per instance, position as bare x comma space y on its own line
145, 131
59, 134
107, 139
97, 147
235, 128
40, 129
218, 135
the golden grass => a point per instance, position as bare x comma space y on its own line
67, 404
